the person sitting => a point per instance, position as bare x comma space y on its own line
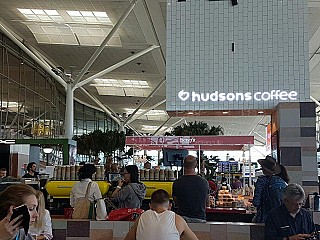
159, 222
32, 171
79, 189
3, 173
289, 220
15, 196
130, 192
42, 227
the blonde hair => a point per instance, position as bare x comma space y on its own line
40, 222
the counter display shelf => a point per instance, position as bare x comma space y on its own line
229, 215
62, 189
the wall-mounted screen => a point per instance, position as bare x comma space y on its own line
173, 157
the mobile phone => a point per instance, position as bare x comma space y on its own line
22, 210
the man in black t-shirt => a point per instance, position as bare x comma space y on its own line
32, 171
191, 193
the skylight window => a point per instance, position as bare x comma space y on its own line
149, 113
40, 14
88, 16
87, 28
100, 82
116, 87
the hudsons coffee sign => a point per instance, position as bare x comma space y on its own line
237, 96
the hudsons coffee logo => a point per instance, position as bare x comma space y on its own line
238, 96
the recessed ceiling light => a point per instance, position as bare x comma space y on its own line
260, 112
225, 112
190, 113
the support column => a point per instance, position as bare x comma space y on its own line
294, 138
69, 112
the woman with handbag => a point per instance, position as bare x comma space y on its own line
85, 194
130, 192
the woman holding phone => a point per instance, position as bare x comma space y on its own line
12, 198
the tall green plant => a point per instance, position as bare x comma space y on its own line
196, 129
97, 141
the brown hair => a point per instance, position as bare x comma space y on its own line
190, 162
14, 195
159, 197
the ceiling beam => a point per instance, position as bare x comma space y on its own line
115, 66
42, 64
101, 105
159, 128
145, 100
105, 41
147, 110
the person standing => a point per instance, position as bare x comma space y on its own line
191, 193
159, 222
237, 183
80, 189
268, 189
290, 220
32, 171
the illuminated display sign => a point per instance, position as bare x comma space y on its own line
247, 96
247, 57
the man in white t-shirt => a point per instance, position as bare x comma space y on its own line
159, 223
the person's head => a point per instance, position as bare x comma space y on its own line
147, 165
131, 174
39, 223
223, 179
293, 197
269, 166
237, 178
17, 195
190, 162
86, 171
284, 174
114, 168
159, 198
32, 167
96, 161
3, 172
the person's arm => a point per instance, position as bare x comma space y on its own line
47, 232
131, 235
184, 230
96, 192
122, 194
9, 229
258, 192
72, 201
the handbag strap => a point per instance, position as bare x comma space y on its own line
87, 191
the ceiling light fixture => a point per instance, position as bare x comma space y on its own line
225, 112
190, 113
260, 112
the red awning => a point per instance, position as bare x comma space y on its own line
190, 142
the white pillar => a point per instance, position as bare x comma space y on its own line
69, 112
